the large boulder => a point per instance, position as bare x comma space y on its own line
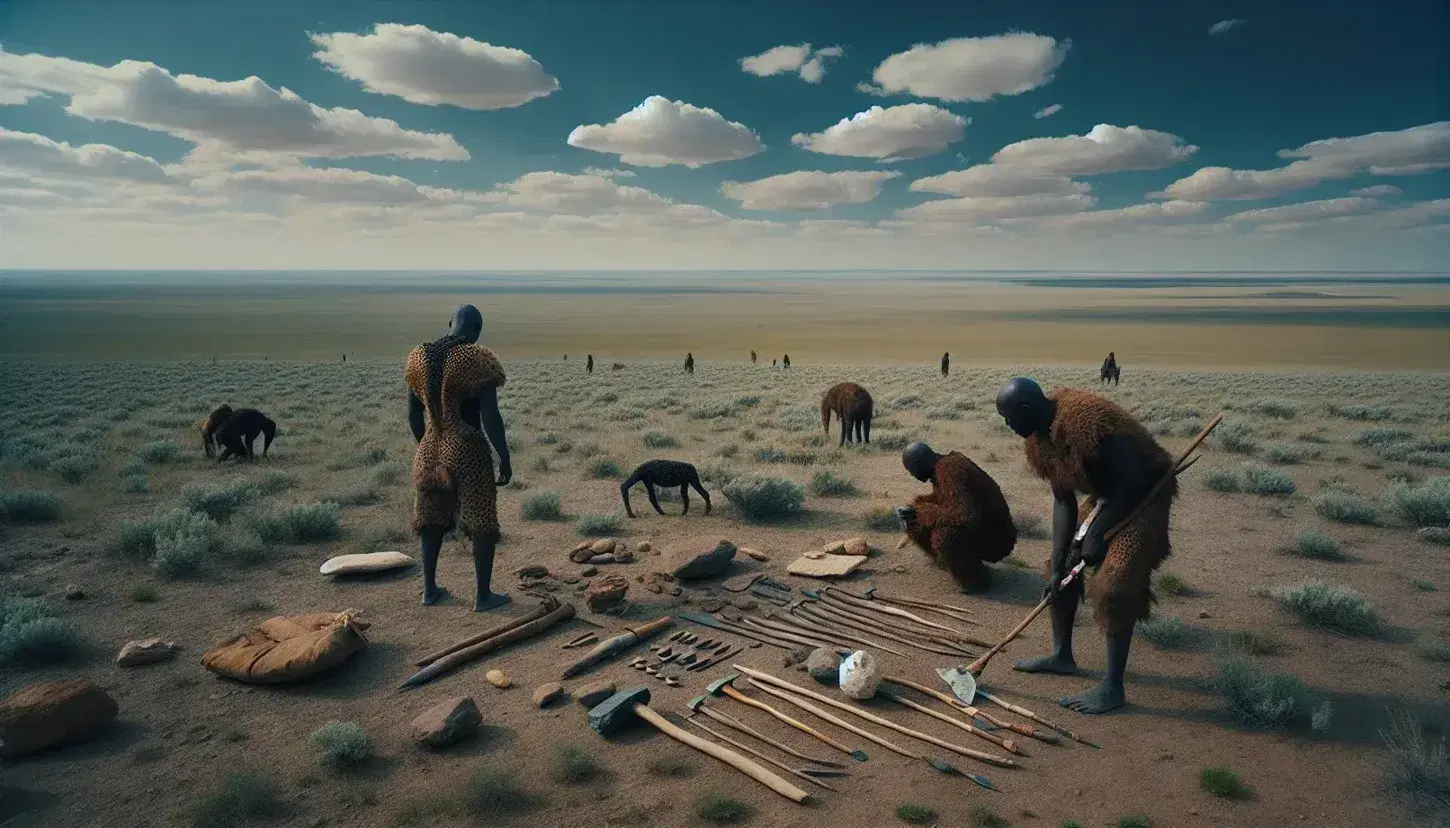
703, 556
447, 723
53, 713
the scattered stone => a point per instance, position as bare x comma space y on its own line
859, 675
624, 556
589, 572
570, 581
834, 548
653, 586
74, 593
674, 590
857, 546
711, 604
447, 723
551, 586
600, 560
146, 651
53, 713
603, 546
740, 583
797, 656
532, 571
899, 569
593, 694
606, 593
754, 553
1204, 615
547, 694
825, 566
368, 562
823, 665
644, 547
745, 603
582, 553
702, 556
498, 679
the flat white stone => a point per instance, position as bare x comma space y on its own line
825, 566
370, 562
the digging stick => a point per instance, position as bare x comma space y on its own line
539, 612
956, 704
612, 645
798, 638
778, 627
980, 756
786, 622
847, 598
757, 754
835, 720
955, 613
729, 689
897, 625
1006, 744
1028, 714
844, 619
732, 722
746, 632
560, 612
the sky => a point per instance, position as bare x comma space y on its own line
725, 134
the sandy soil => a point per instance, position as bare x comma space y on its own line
343, 436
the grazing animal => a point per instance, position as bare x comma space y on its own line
211, 425
965, 522
946, 363
453, 413
666, 474
853, 406
689, 363
238, 433
1110, 370
1080, 442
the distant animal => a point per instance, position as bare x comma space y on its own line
772, 362
666, 474
618, 366
238, 434
853, 406
1110, 370
211, 425
946, 363
689, 363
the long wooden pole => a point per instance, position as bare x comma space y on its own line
1006, 744
563, 612
956, 704
738, 745
764, 776
539, 612
798, 725
835, 720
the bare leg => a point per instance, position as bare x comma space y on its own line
430, 542
486, 599
685, 497
653, 500
1108, 695
1064, 613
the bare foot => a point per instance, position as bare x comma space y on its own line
492, 600
1100, 699
432, 596
1046, 664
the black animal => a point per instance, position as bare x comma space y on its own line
668, 474
239, 433
1110, 370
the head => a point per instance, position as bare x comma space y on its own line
467, 323
1112, 355
1024, 407
920, 461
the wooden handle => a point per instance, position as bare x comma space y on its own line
652, 627
751, 769
544, 608
957, 704
835, 720
798, 725
1005, 744
976, 667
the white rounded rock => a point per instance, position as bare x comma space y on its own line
860, 675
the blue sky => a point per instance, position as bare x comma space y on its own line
1280, 77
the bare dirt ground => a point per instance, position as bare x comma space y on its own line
117, 444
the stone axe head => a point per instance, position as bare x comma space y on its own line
870, 591
810, 593
717, 687
694, 704
617, 712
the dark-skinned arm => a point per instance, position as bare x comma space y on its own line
1064, 526
1122, 471
415, 416
491, 421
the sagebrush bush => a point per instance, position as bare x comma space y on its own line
218, 502
1438, 535
891, 440
881, 519
1252, 642
718, 472
1423, 504
542, 505
1315, 544
75, 468
597, 525
827, 483
1223, 480
386, 474
1382, 436
1262, 480
605, 469
160, 451
659, 439
769, 454
1263, 700
301, 523
1346, 507
1169, 583
765, 498
31, 635
1236, 438
1331, 607
1277, 409
29, 506
135, 483
1166, 633
341, 744
1289, 454
1360, 411
1416, 769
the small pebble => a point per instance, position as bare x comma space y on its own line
746, 603
644, 547
589, 572
899, 569
74, 593
497, 679
546, 694
1204, 615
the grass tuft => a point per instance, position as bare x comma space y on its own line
573, 765
827, 483
1252, 642
915, 814
542, 505
1170, 584
341, 745
1329, 607
1167, 633
1317, 545
240, 800
598, 525
658, 439
1262, 480
302, 523
495, 792
1423, 504
1346, 507
671, 766
721, 810
605, 469
765, 498
1263, 700
1222, 782
29, 506
1416, 769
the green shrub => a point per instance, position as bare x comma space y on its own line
1423, 504
1223, 480
769, 454
765, 498
1222, 782
984, 817
1274, 408
1166, 633
29, 506
1236, 438
218, 502
1289, 454
1170, 584
135, 483
1416, 769
605, 469
658, 439
385, 474
891, 440
1251, 642
547, 439
302, 523
240, 800
1429, 459
30, 635
1331, 607
827, 483
161, 451
1262, 480
1135, 820
881, 519
542, 505
74, 468
144, 594
1430, 649
1031, 527
1263, 700
944, 414
1438, 535
342, 745
1382, 436
720, 810
915, 814
1360, 411
1317, 545
1346, 507
718, 472
598, 525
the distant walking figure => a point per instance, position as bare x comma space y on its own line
773, 361
752, 357
785, 362
946, 363
344, 357
1110, 370
689, 363
566, 357
589, 364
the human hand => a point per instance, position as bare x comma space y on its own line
505, 473
907, 516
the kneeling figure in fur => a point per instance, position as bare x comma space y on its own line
964, 523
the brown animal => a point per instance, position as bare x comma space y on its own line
965, 522
211, 425
853, 406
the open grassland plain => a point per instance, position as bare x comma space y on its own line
1295, 672
1326, 323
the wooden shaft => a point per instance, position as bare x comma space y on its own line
835, 720
838, 627
846, 597
801, 726
782, 629
764, 776
976, 667
1006, 744
899, 625
991, 759
957, 704
538, 612
562, 612
757, 754
731, 721
768, 638
1024, 712
798, 639
843, 636
844, 619
652, 627
920, 604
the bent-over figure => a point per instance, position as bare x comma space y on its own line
211, 425
853, 406
1110, 370
453, 411
1080, 442
666, 474
238, 434
964, 523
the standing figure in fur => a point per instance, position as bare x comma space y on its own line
1110, 370
453, 411
852, 405
752, 357
666, 474
946, 363
964, 523
1080, 442
689, 363
239, 432
785, 362
211, 425
589, 364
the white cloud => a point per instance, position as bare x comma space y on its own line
1105, 149
1047, 111
432, 68
1378, 191
26, 151
899, 132
584, 195
970, 68
1224, 26
1410, 151
810, 65
660, 132
604, 173
990, 209
1309, 210
991, 180
1124, 219
807, 190
245, 116
333, 185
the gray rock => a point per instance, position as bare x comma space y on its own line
447, 723
146, 651
823, 665
547, 694
74, 593
592, 694
532, 571
702, 556
745, 603
711, 604
589, 571
860, 675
